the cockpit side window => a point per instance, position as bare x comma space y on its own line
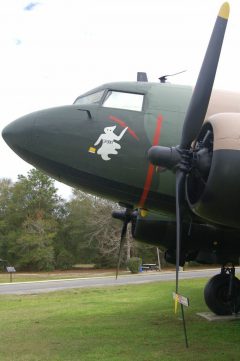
123, 100
93, 98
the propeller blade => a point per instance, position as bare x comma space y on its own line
199, 102
122, 241
180, 192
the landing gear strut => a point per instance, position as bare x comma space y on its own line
222, 292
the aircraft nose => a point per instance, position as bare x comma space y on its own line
19, 134
50, 137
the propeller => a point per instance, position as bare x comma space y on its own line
180, 158
125, 217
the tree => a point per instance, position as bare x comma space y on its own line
35, 195
73, 235
31, 218
39, 230
34, 246
65, 260
6, 187
95, 234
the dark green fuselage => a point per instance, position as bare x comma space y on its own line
58, 140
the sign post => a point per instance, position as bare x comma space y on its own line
10, 270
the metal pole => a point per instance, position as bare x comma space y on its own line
159, 263
184, 327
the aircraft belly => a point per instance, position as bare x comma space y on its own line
101, 186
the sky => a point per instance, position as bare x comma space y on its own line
54, 50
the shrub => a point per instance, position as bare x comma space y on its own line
105, 261
64, 260
134, 264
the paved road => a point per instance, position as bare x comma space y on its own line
21, 288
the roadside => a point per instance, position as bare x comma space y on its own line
85, 273
57, 274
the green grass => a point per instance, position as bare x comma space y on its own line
113, 324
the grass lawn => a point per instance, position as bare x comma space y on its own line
113, 324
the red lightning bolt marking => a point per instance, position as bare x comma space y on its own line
123, 124
149, 177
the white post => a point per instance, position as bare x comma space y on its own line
159, 263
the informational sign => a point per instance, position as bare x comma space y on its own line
180, 299
10, 269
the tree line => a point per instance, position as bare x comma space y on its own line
40, 231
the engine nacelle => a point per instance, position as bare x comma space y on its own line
215, 196
203, 243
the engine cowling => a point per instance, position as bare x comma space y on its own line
213, 188
203, 243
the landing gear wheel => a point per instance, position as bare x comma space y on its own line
217, 294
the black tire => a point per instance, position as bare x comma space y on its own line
216, 295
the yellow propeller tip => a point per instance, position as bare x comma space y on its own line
224, 11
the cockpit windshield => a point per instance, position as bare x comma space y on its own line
123, 100
113, 99
93, 98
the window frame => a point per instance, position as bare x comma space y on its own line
124, 92
99, 102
